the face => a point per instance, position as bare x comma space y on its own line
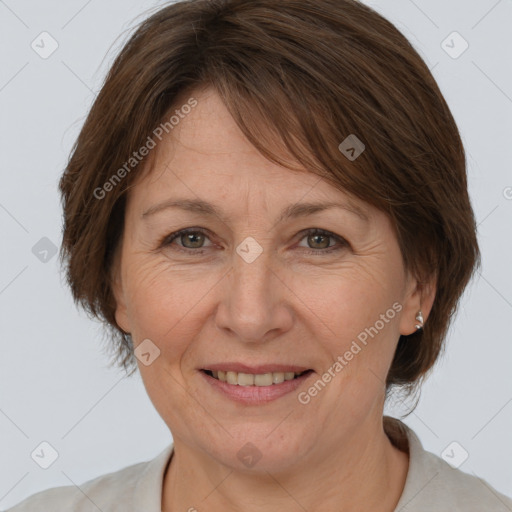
260, 294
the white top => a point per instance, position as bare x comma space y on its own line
432, 485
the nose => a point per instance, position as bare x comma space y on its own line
255, 301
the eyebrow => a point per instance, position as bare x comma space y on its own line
290, 212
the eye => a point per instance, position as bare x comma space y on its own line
319, 239
191, 239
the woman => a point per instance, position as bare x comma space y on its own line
268, 206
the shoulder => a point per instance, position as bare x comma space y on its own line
458, 490
96, 494
432, 485
118, 490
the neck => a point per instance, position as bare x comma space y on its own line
364, 471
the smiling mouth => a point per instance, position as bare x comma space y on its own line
250, 379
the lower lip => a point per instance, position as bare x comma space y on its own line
256, 395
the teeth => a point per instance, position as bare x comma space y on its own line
249, 379
264, 379
277, 378
245, 379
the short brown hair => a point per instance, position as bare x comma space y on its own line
305, 73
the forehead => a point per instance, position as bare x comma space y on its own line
208, 136
206, 157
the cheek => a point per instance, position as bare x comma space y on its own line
363, 312
171, 304
160, 300
355, 299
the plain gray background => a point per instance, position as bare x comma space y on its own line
55, 384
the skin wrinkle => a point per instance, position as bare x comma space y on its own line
285, 306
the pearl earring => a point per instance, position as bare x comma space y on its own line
419, 319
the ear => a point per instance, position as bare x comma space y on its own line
121, 312
420, 295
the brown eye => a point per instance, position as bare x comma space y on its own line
192, 240
319, 241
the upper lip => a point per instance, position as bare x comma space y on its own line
256, 369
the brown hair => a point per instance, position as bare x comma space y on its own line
305, 73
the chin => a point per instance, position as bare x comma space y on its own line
258, 448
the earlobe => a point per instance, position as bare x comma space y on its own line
417, 305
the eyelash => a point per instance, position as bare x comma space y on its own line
167, 241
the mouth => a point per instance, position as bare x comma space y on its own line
251, 379
251, 388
